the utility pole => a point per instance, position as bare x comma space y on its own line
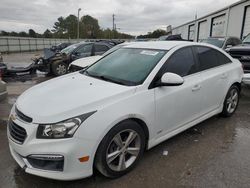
78, 24
113, 16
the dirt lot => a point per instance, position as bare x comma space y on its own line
214, 153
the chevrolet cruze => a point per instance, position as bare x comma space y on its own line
105, 116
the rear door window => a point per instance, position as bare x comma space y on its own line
100, 49
210, 58
84, 50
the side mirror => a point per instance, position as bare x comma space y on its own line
171, 79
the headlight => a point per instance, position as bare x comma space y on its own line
64, 129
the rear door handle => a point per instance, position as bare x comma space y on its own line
196, 87
223, 76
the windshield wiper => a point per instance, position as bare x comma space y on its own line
108, 79
105, 78
102, 77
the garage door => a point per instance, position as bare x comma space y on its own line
202, 30
218, 26
246, 29
191, 32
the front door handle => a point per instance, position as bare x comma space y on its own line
196, 87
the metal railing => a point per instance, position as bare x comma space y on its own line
23, 44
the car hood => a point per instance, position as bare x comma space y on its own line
69, 96
86, 61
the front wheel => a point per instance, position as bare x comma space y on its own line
59, 68
231, 102
120, 149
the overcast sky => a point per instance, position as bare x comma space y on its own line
132, 16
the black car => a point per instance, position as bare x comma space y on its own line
222, 42
242, 53
171, 37
57, 62
60, 47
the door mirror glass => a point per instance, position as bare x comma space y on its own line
171, 79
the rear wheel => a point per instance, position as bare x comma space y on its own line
59, 68
120, 149
231, 102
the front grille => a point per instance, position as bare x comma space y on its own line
17, 133
245, 62
23, 117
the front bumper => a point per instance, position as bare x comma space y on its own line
71, 149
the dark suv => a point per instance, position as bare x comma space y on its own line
242, 53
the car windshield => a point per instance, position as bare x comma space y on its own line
69, 49
247, 39
126, 66
215, 41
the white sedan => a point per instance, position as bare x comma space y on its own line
105, 116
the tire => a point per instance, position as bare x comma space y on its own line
59, 68
124, 159
231, 101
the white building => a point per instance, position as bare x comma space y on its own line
233, 20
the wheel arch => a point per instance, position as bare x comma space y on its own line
144, 127
237, 84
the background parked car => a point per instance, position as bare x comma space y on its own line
87, 61
59, 47
222, 42
57, 63
242, 53
171, 37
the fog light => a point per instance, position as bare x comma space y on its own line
46, 162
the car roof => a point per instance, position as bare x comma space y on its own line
158, 45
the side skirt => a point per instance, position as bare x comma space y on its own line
154, 142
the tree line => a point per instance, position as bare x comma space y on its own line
155, 34
66, 27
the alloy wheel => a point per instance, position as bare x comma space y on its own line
232, 101
123, 150
61, 69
